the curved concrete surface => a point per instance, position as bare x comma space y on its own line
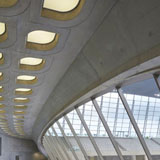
109, 41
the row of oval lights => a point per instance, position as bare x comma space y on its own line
27, 63
36, 40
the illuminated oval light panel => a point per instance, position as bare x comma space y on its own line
18, 117
1, 89
42, 40
26, 79
21, 100
20, 107
2, 106
19, 112
30, 63
23, 91
18, 124
1, 76
7, 3
2, 111
2, 28
3, 32
3, 120
1, 58
1, 99
62, 9
16, 120
60, 5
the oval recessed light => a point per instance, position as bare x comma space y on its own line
21, 100
31, 63
1, 99
19, 112
2, 111
3, 32
18, 117
26, 79
1, 89
2, 28
42, 40
1, 58
60, 5
20, 107
62, 9
1, 76
23, 91
2, 106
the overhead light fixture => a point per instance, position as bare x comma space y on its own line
21, 100
41, 40
23, 91
1, 58
26, 79
1, 76
20, 107
3, 32
31, 63
62, 9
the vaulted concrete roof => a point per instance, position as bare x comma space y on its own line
107, 43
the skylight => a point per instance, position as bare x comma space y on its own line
41, 40
21, 100
26, 79
60, 5
31, 63
2, 28
24, 91
41, 37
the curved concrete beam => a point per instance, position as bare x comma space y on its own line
127, 38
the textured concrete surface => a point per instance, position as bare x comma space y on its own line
126, 43
12, 147
25, 17
106, 44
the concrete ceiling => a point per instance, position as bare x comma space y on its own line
125, 44
106, 44
25, 17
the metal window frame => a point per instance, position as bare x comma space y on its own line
132, 119
76, 137
113, 141
67, 141
89, 134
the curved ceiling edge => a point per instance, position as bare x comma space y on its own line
83, 101
109, 84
